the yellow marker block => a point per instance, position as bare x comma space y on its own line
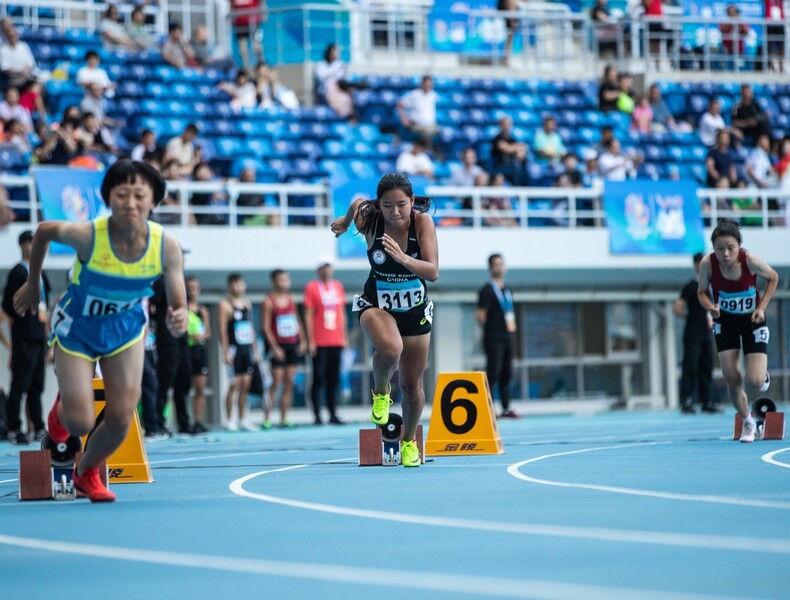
129, 463
463, 419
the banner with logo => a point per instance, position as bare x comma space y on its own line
653, 217
451, 29
67, 194
701, 34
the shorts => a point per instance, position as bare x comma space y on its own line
416, 321
242, 361
292, 356
199, 358
736, 331
93, 338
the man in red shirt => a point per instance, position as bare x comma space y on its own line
325, 324
775, 34
247, 16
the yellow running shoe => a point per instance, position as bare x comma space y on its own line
381, 408
409, 454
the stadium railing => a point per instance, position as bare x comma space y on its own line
531, 207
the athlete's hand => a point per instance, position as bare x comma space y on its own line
311, 348
392, 248
714, 311
340, 226
279, 353
228, 357
176, 320
27, 298
758, 316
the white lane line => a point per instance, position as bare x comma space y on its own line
390, 578
675, 539
8, 480
514, 470
769, 458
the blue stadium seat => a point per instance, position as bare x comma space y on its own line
227, 147
260, 147
335, 170
361, 169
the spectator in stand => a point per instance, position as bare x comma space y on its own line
783, 166
774, 41
147, 144
731, 31
330, 76
183, 149
207, 54
138, 32
496, 205
176, 51
607, 133
270, 90
548, 145
721, 161
615, 165
17, 63
625, 100
417, 111
214, 205
250, 200
95, 103
609, 90
69, 142
662, 118
247, 16
113, 33
11, 109
30, 98
242, 92
759, 164
749, 118
657, 30
17, 136
92, 73
98, 137
511, 24
171, 202
605, 28
571, 164
712, 122
465, 174
415, 161
509, 156
642, 117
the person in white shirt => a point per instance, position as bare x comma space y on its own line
711, 122
330, 75
11, 109
147, 145
93, 73
417, 111
243, 92
182, 148
759, 170
113, 33
16, 60
415, 161
613, 165
466, 173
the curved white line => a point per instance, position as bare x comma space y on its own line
391, 578
514, 471
769, 458
737, 544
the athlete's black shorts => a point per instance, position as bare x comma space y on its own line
415, 321
199, 359
735, 331
292, 356
242, 361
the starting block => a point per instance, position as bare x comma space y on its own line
45, 475
770, 424
381, 446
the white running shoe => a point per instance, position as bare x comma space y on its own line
767, 383
247, 426
231, 426
749, 428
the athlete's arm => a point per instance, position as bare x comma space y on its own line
428, 267
302, 337
680, 308
175, 290
206, 317
266, 326
309, 315
760, 268
702, 289
341, 224
224, 311
77, 235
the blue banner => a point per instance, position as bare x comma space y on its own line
696, 34
67, 194
451, 29
653, 217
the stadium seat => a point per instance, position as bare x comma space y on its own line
11, 159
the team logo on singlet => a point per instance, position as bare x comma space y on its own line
379, 257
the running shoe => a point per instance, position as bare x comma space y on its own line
266, 425
509, 414
409, 454
381, 408
767, 383
247, 426
90, 484
17, 438
286, 424
57, 432
749, 428
231, 426
335, 420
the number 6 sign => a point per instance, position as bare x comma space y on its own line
462, 419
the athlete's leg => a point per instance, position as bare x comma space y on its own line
199, 397
288, 391
505, 376
730, 369
705, 373
318, 382
244, 382
382, 330
123, 374
410, 371
75, 385
332, 381
756, 364
229, 398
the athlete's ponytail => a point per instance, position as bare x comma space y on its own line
369, 211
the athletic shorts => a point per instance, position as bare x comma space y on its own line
242, 361
737, 331
292, 356
93, 338
415, 321
199, 358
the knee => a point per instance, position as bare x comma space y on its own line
733, 380
755, 379
390, 350
411, 390
78, 424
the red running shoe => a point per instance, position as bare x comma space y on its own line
89, 483
57, 432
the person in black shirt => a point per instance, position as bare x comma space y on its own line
697, 373
496, 314
609, 90
509, 156
720, 161
28, 349
749, 117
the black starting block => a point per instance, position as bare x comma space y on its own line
381, 446
770, 424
